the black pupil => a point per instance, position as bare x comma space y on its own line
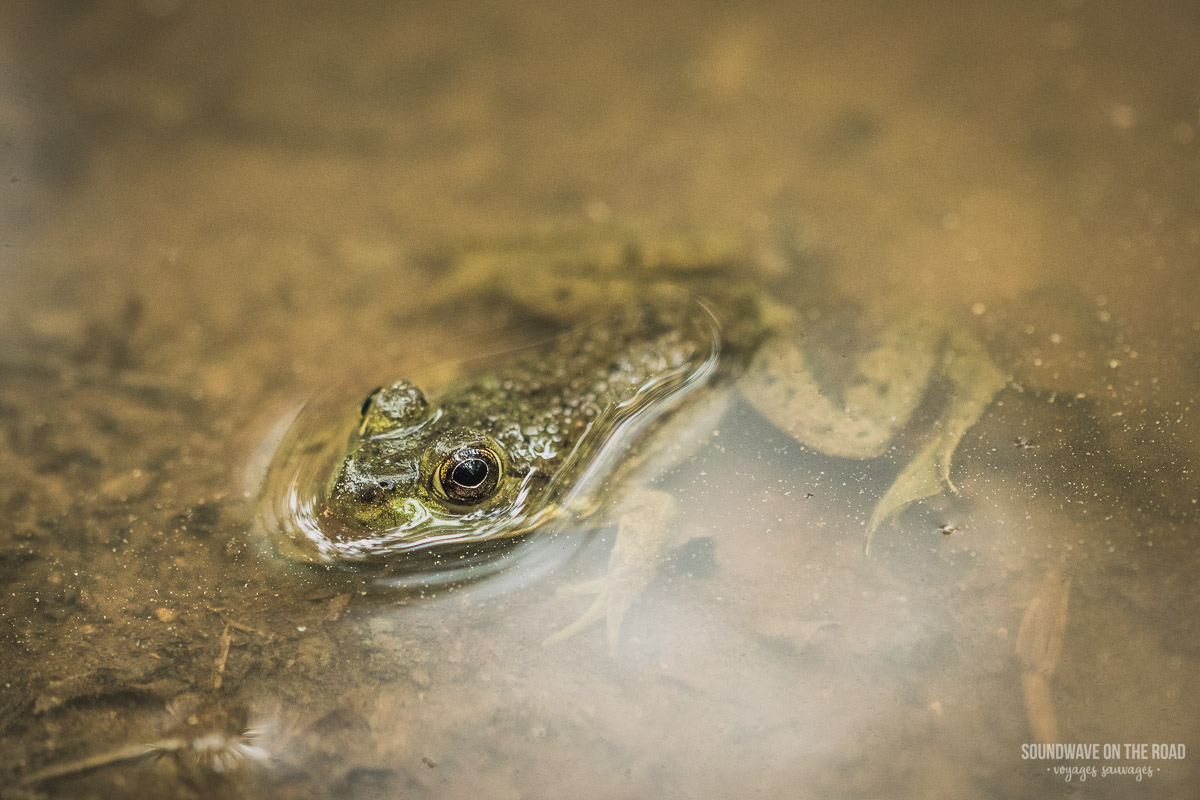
470, 473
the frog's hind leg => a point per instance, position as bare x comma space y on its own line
644, 536
890, 381
974, 381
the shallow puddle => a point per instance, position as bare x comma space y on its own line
213, 213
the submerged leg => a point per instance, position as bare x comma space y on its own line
644, 537
974, 382
890, 380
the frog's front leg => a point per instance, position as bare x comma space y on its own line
644, 537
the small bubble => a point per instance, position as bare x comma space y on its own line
979, 309
598, 211
1121, 116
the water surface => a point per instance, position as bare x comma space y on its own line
211, 212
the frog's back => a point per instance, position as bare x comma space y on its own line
639, 362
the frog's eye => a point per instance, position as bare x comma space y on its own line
468, 475
366, 406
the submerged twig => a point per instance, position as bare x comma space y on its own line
133, 752
219, 752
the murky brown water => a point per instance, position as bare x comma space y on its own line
211, 211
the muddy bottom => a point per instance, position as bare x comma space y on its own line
210, 213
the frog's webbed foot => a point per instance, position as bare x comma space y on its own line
643, 540
974, 382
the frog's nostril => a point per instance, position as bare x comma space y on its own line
385, 485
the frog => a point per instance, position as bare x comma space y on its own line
654, 337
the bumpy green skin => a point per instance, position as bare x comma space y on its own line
548, 413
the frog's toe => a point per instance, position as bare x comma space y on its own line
595, 586
609, 606
644, 537
594, 613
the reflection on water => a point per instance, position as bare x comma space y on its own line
211, 212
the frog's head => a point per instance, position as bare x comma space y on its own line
413, 478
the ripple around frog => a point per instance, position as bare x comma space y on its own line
294, 491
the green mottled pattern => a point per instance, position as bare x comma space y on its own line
549, 411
